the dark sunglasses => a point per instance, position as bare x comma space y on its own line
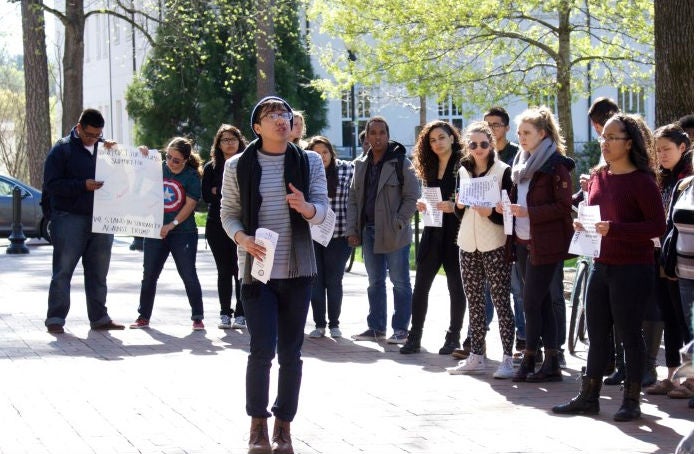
175, 161
484, 145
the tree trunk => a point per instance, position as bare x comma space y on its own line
673, 40
264, 42
38, 120
564, 94
73, 60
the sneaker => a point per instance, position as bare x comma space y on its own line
225, 322
198, 325
661, 388
475, 364
240, 322
335, 332
140, 323
459, 353
398, 337
317, 333
561, 359
55, 328
506, 368
520, 345
369, 335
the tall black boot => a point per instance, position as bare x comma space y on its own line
549, 370
630, 408
652, 332
451, 343
413, 343
527, 366
586, 402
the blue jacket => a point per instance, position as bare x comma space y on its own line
67, 167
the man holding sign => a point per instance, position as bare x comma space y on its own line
69, 182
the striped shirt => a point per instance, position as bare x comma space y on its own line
273, 214
338, 203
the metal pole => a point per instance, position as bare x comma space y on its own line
17, 237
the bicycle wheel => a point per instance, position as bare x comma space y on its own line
351, 260
577, 301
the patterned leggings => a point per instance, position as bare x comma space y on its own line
476, 268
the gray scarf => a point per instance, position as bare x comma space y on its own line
526, 164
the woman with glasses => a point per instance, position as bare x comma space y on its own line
227, 142
436, 158
181, 174
622, 279
541, 203
481, 242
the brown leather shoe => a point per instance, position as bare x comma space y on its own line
108, 326
259, 437
281, 440
55, 328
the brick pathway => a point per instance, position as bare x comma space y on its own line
171, 390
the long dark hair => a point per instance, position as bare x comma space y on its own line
331, 170
426, 163
642, 149
468, 160
674, 133
186, 148
216, 152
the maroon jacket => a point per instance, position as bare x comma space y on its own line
549, 203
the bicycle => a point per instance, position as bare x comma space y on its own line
578, 328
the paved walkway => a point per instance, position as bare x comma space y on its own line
171, 390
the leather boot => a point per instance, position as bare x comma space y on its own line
451, 343
630, 408
259, 437
617, 377
281, 440
549, 370
586, 402
413, 343
652, 332
527, 366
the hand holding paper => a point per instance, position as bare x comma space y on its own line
261, 268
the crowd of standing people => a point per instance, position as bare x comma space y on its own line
504, 255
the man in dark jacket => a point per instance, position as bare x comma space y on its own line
69, 173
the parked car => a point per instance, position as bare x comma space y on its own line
33, 223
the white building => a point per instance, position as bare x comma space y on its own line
113, 57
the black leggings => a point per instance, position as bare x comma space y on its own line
225, 254
617, 295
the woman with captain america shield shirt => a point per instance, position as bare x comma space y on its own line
181, 172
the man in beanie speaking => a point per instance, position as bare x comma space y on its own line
275, 185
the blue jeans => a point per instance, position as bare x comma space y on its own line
686, 291
72, 239
276, 313
517, 295
327, 288
397, 265
155, 252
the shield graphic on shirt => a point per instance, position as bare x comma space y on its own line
174, 195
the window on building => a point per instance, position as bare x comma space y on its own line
631, 101
118, 115
362, 106
549, 101
116, 32
450, 112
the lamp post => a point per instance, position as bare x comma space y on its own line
352, 106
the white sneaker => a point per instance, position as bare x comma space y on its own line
240, 322
506, 368
475, 364
335, 333
225, 322
317, 333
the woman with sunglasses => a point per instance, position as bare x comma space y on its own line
181, 174
541, 203
622, 278
227, 142
481, 242
436, 158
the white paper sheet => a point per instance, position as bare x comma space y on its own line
322, 233
587, 242
508, 217
261, 269
480, 192
131, 200
432, 217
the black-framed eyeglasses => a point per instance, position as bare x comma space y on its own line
603, 139
496, 125
88, 135
229, 140
484, 145
279, 115
175, 161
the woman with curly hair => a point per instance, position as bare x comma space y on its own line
483, 259
622, 278
227, 142
436, 157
